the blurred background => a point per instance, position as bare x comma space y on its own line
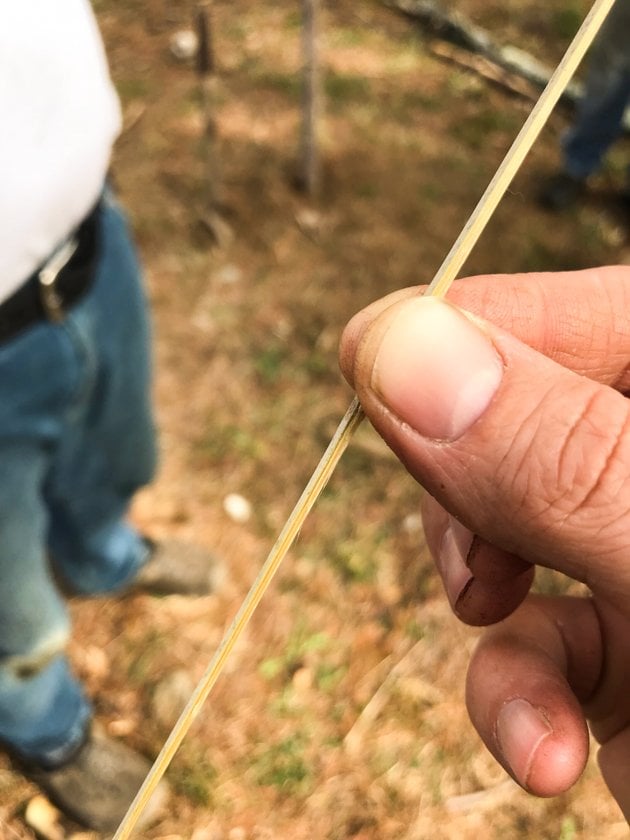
341, 714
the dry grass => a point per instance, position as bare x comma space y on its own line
341, 714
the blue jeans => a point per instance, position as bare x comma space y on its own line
606, 95
76, 441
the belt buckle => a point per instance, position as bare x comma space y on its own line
50, 298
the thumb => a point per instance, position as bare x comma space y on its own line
529, 455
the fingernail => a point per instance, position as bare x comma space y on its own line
435, 368
451, 560
519, 731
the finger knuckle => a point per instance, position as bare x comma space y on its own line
580, 463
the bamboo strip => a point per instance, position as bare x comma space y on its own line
525, 139
316, 484
438, 287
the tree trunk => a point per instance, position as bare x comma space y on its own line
206, 69
310, 162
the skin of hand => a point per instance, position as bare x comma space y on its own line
507, 403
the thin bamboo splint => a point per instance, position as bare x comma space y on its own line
439, 286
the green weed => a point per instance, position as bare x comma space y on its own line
195, 780
229, 439
151, 650
133, 88
344, 89
299, 645
270, 362
283, 766
549, 582
566, 22
568, 830
328, 676
474, 130
354, 560
289, 85
415, 630
344, 37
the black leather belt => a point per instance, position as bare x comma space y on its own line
57, 284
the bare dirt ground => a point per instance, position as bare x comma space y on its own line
341, 714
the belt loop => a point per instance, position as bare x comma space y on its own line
47, 277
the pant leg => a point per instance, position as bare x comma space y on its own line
600, 113
108, 451
43, 710
76, 440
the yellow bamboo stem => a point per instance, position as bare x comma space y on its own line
309, 496
438, 287
517, 152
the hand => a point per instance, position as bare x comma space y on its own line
518, 427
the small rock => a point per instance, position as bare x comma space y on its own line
43, 818
612, 234
302, 680
184, 45
229, 275
412, 523
171, 695
308, 220
237, 507
122, 727
207, 833
96, 661
218, 228
172, 837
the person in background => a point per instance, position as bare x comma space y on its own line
76, 426
599, 118
508, 404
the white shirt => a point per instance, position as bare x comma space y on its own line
59, 116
